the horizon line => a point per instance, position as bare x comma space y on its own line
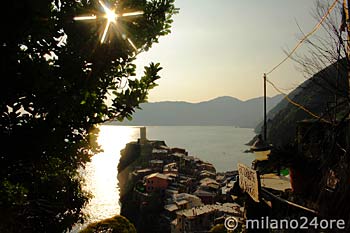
197, 102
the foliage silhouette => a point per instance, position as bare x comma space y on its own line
116, 224
58, 83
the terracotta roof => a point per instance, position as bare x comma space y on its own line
171, 207
229, 208
158, 175
203, 193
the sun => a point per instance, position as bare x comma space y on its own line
110, 15
112, 18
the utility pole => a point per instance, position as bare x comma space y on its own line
265, 123
346, 5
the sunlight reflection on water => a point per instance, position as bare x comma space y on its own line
101, 173
221, 145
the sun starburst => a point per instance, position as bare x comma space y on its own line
111, 18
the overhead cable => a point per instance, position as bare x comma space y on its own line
318, 25
297, 104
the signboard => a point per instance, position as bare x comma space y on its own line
249, 181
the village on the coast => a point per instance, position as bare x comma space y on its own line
165, 189
190, 195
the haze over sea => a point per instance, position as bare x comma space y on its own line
223, 146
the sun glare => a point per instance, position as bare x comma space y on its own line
110, 14
85, 17
112, 18
101, 173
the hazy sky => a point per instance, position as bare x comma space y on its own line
223, 47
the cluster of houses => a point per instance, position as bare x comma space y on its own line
193, 195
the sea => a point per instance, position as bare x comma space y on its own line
223, 146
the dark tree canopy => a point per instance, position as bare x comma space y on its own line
57, 80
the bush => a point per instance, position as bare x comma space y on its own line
116, 224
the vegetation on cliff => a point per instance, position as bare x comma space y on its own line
317, 95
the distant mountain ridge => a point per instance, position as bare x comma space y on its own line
224, 110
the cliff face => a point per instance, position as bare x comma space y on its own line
133, 155
317, 94
145, 218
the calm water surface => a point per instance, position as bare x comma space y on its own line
222, 146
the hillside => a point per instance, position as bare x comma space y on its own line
223, 110
316, 94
